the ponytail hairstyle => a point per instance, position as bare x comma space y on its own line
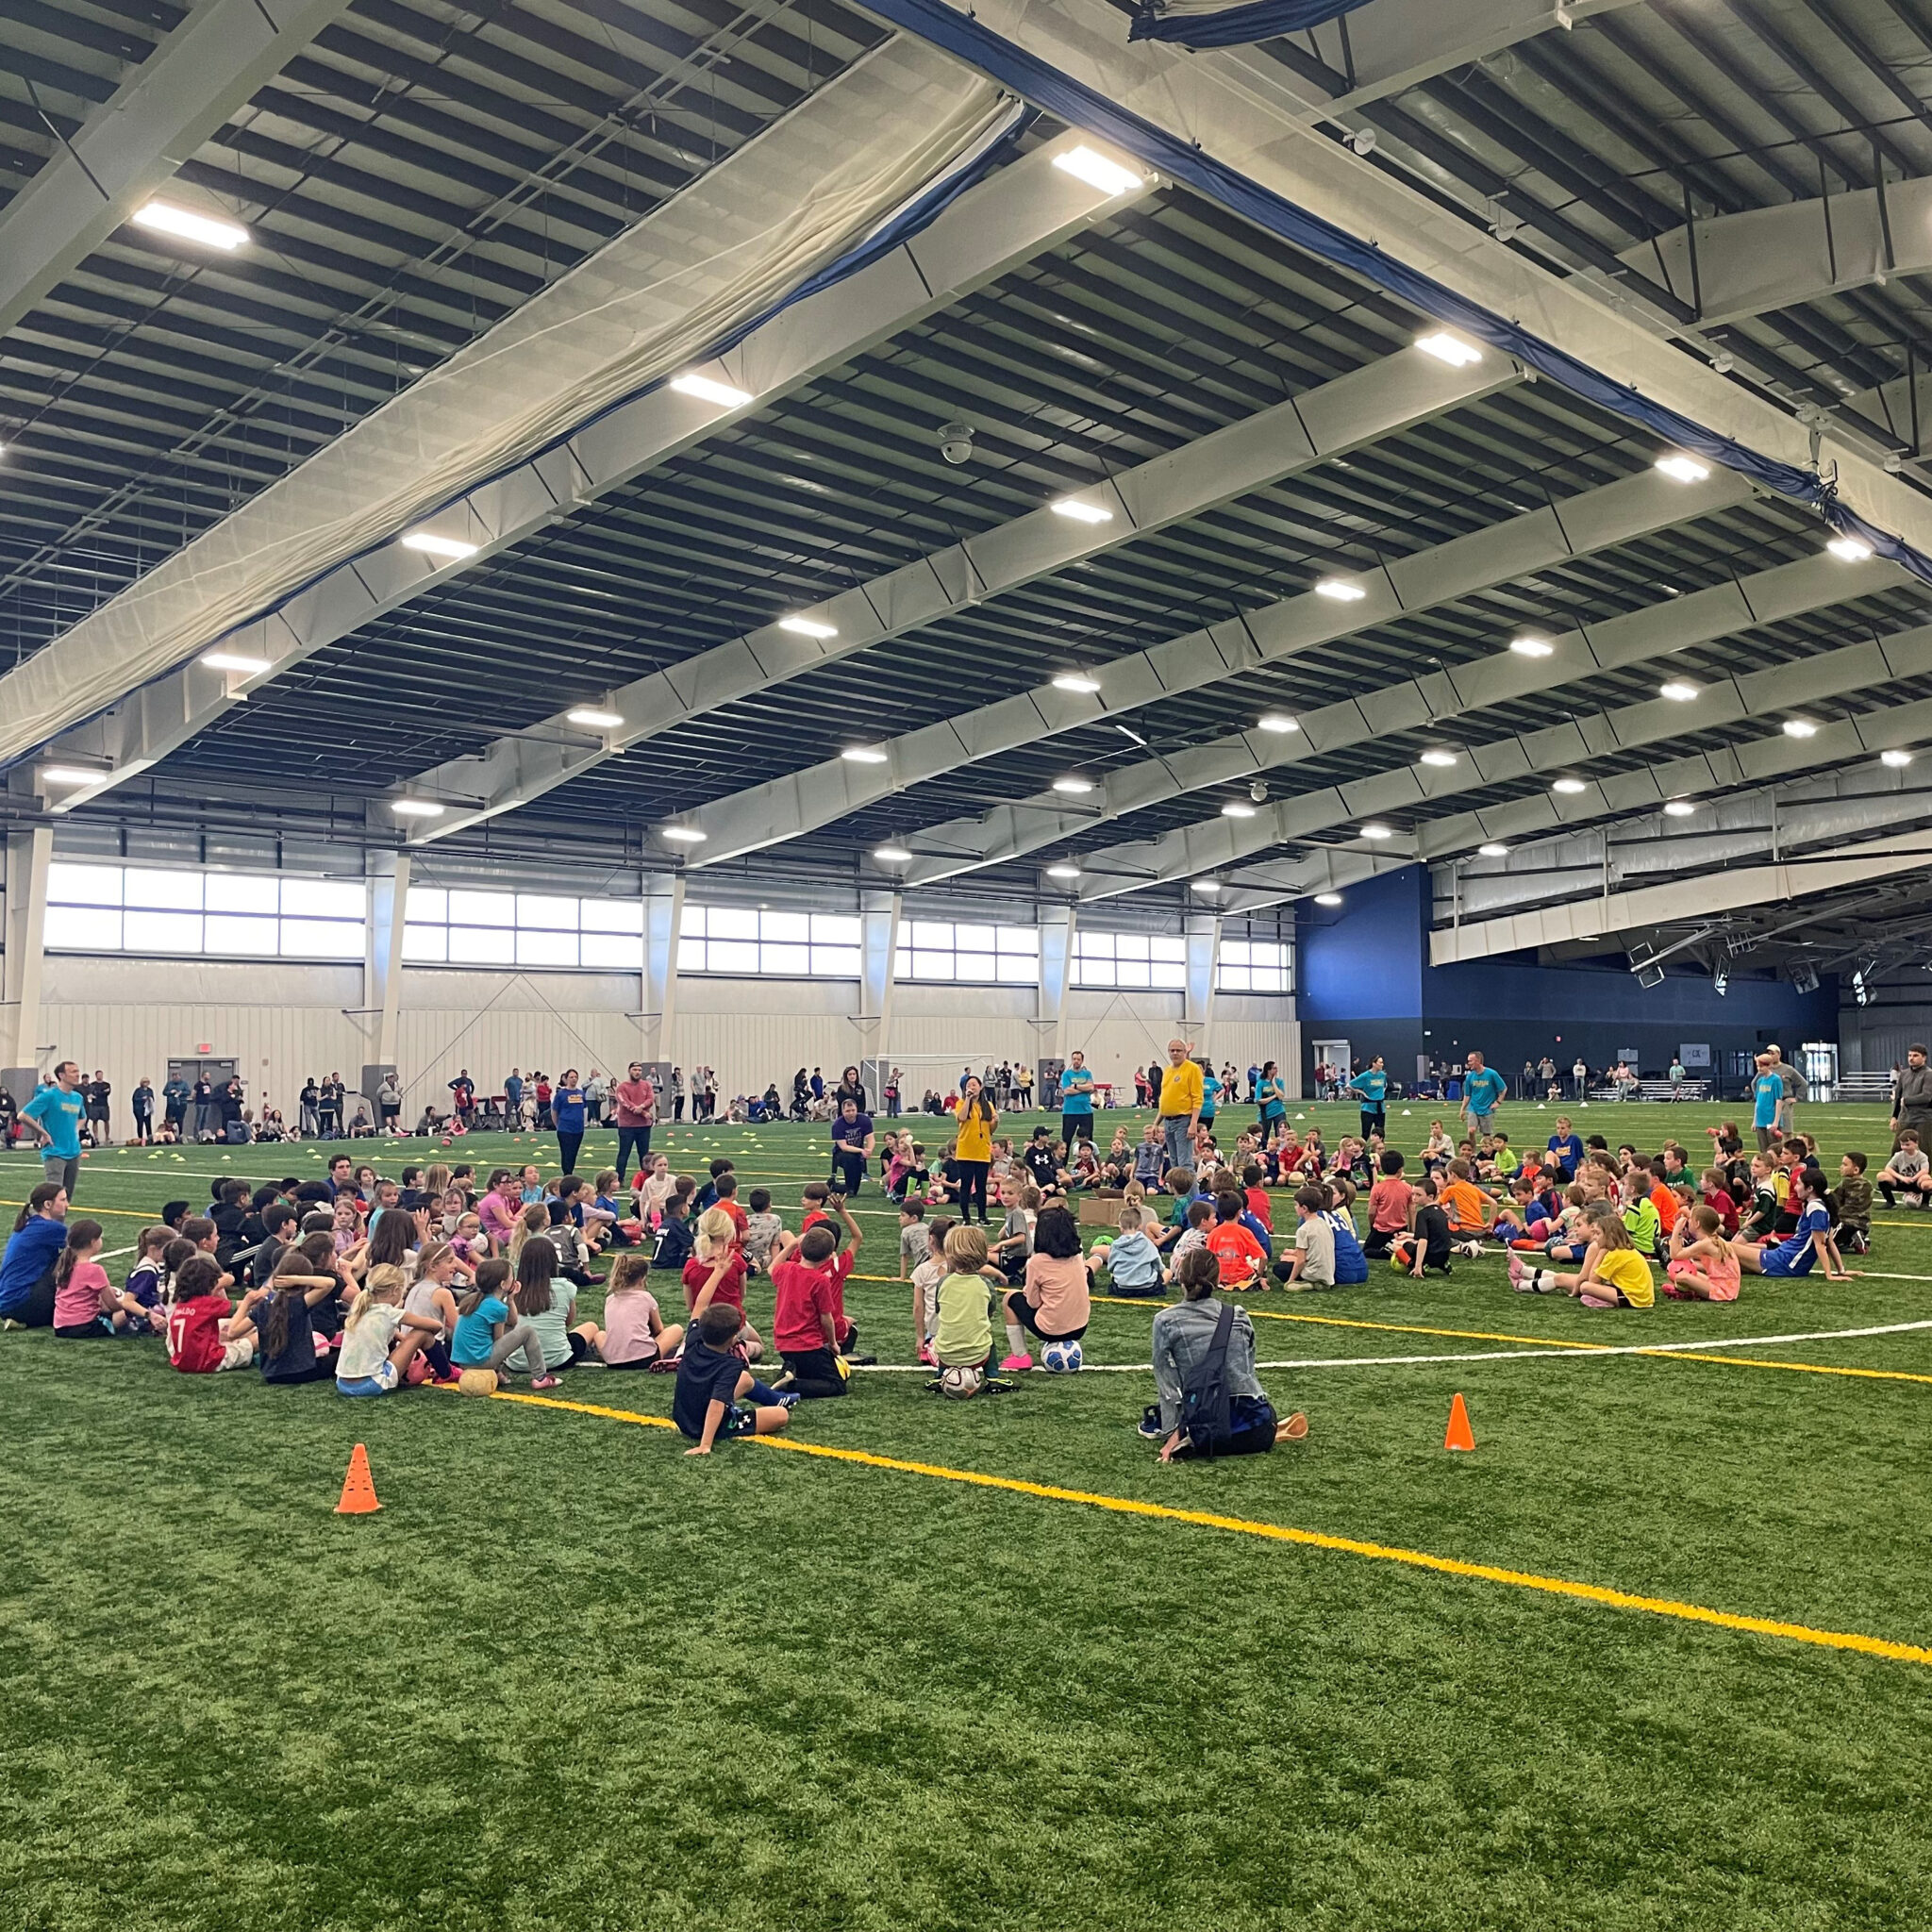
436, 1178
38, 1202
533, 1220
382, 1283
1197, 1274
430, 1255
81, 1236
491, 1277
629, 1272
536, 1267
291, 1263
1611, 1233
717, 1231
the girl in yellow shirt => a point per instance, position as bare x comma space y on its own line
1614, 1274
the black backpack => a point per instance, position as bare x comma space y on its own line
1206, 1405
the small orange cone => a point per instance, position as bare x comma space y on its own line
1459, 1437
358, 1486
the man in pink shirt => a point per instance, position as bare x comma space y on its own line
637, 1114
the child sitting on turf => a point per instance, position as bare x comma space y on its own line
1131, 1259
1391, 1205
431, 1292
1312, 1264
654, 1190
963, 1338
1427, 1245
914, 1246
1016, 1230
206, 1335
1470, 1211
490, 1330
1717, 1196
675, 1238
1118, 1168
1438, 1150
294, 1320
1907, 1170
1150, 1159
1640, 1214
1083, 1165
1702, 1266
380, 1339
1196, 1216
86, 1305
708, 1402
634, 1334
1054, 1303
715, 1273
1854, 1202
763, 1231
547, 1301
808, 1322
1255, 1196
1809, 1241
1351, 1262
926, 1277
146, 1277
1614, 1273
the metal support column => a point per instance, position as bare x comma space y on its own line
1058, 926
879, 915
663, 929
1203, 956
28, 855
382, 986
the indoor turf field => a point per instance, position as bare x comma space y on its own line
1657, 1654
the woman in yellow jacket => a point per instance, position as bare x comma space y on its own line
977, 1118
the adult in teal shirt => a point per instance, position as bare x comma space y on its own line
1076, 1101
1210, 1095
56, 1112
1767, 1096
1372, 1088
1482, 1088
1271, 1094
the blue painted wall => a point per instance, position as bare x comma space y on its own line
1365, 978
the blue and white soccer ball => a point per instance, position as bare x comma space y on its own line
1061, 1358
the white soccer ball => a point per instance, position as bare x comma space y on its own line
961, 1383
1061, 1358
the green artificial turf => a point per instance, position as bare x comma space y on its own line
569, 1677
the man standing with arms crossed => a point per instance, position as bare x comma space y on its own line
1911, 1096
56, 1112
1077, 1103
1482, 1088
1180, 1104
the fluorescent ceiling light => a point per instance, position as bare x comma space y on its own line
233, 660
808, 628
1680, 690
1898, 760
598, 721
1683, 469
1678, 808
864, 755
1493, 852
1442, 759
1095, 169
1340, 591
1208, 888
1327, 898
417, 807
1076, 681
708, 391
430, 544
1533, 647
1073, 787
1081, 512
69, 774
1849, 549
1064, 872
685, 835
1278, 721
1570, 787
1377, 832
167, 218
1450, 349
1234, 808
1800, 727
891, 855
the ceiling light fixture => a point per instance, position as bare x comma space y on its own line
1451, 349
1800, 727
167, 218
1680, 690
1208, 889
597, 721
708, 390
417, 807
430, 544
234, 661
1678, 808
1084, 164
1234, 808
1533, 647
1897, 760
1570, 788
808, 628
685, 835
69, 774
1849, 549
1278, 721
1683, 469
1081, 512
864, 755
1327, 898
1441, 759
1340, 591
1074, 788
1378, 832
892, 855
1076, 681
1064, 872
1493, 852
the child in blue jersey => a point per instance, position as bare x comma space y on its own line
1351, 1263
1812, 1242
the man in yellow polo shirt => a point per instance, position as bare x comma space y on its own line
1180, 1104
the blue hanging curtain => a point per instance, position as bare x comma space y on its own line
1207, 23
1080, 105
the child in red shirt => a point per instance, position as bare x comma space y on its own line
202, 1339
808, 1322
1391, 1201
1259, 1204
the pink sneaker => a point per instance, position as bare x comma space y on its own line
1518, 1275
544, 1381
1014, 1363
926, 1356
1592, 1301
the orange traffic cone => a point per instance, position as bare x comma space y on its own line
1460, 1435
359, 1486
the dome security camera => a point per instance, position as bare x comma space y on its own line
955, 442
1259, 792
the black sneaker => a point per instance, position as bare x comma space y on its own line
1150, 1423
861, 1362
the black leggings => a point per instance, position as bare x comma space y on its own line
1375, 1121
566, 1145
629, 1141
972, 1175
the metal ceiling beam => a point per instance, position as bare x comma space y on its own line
207, 69
1186, 482
1381, 400
1591, 521
1737, 265
1213, 102
1770, 596
1720, 891
1021, 210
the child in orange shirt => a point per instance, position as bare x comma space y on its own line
1469, 1208
1242, 1258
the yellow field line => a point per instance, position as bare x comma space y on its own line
1276, 1532
1751, 1362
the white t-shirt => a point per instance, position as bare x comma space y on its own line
366, 1346
1316, 1240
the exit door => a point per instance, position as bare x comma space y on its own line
217, 1073
1333, 1053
